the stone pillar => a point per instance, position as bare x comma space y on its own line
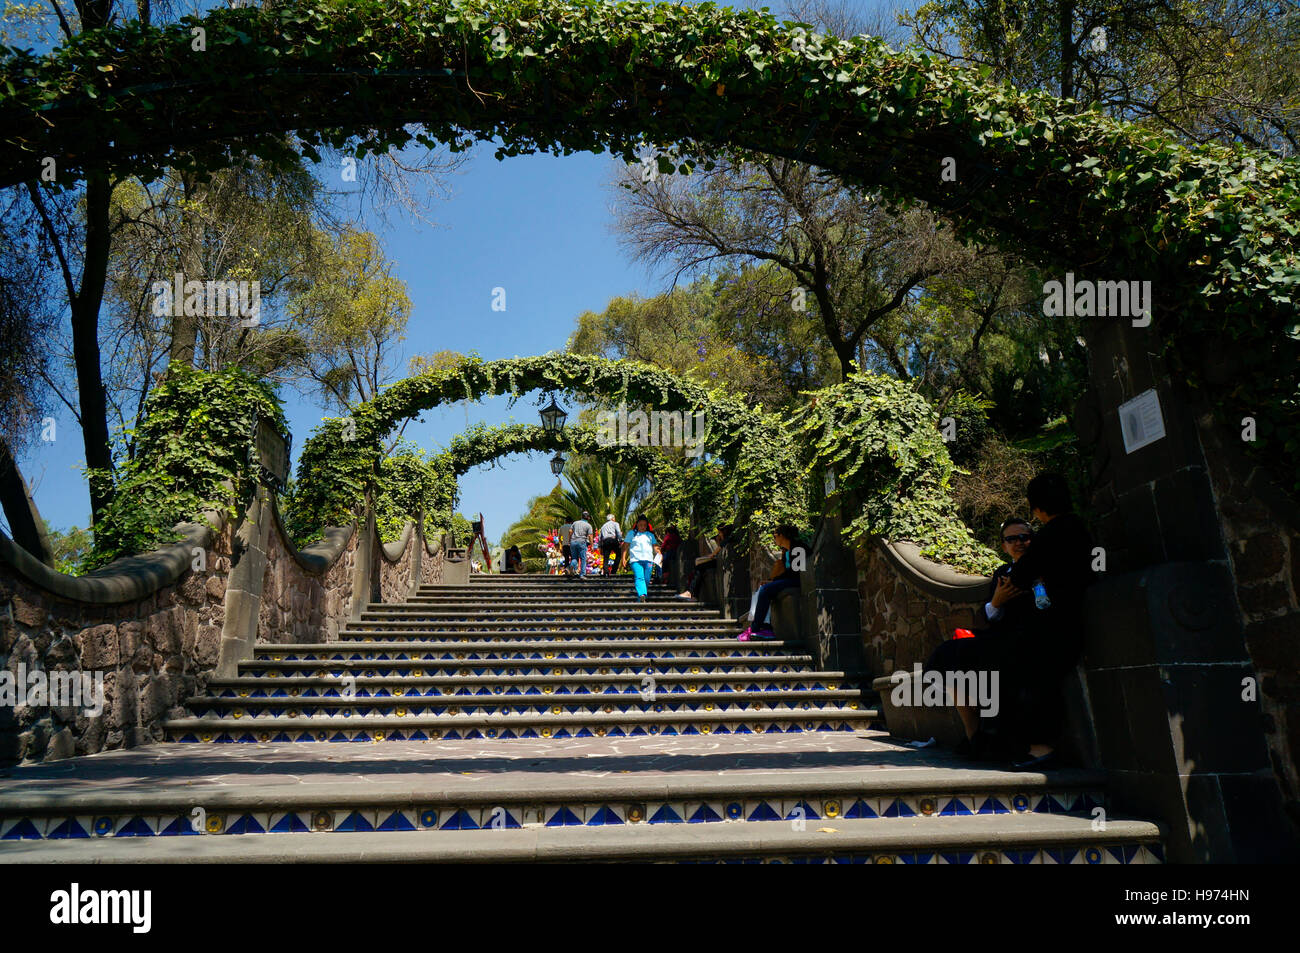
832, 615
365, 570
417, 558
1179, 735
243, 605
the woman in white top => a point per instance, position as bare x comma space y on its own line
639, 549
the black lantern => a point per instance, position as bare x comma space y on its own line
557, 464
553, 418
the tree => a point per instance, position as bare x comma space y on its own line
1212, 70
851, 259
349, 320
684, 330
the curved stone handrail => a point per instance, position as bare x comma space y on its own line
319, 556
933, 578
127, 579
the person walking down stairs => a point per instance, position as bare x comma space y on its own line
639, 550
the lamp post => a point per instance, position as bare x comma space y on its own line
557, 464
553, 417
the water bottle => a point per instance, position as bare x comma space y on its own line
1041, 601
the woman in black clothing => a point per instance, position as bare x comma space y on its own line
1004, 611
1047, 642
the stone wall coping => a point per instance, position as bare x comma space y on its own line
317, 557
933, 578
393, 551
127, 579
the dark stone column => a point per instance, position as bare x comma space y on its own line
832, 615
1165, 655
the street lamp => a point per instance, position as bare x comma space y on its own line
557, 464
553, 418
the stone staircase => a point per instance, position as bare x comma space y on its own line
524, 657
547, 719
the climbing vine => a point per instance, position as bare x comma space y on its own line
880, 439
192, 452
338, 462
1214, 229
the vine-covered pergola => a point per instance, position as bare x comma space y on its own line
339, 462
1213, 229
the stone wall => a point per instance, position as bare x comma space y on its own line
151, 626
396, 572
1261, 531
302, 601
153, 652
432, 565
902, 623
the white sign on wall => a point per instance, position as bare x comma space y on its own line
1141, 422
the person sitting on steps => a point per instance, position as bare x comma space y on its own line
705, 562
1048, 640
985, 649
784, 576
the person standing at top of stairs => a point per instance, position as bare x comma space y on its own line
582, 533
566, 546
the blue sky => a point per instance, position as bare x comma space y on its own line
538, 226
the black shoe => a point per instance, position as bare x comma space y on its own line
1047, 762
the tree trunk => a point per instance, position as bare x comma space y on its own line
91, 394
1066, 11
185, 328
25, 521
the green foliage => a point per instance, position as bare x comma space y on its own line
411, 484
71, 547
1215, 229
197, 434
763, 477
882, 441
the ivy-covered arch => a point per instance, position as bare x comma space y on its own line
339, 462
1215, 230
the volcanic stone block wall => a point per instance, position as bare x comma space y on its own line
153, 653
160, 646
301, 603
1261, 529
901, 622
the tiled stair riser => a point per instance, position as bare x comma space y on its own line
503, 730
818, 810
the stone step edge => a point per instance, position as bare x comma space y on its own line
806, 783
565, 720
611, 644
312, 681
637, 842
520, 663
290, 701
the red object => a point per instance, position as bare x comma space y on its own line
963, 634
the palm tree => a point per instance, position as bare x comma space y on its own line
594, 486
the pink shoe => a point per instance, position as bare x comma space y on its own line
745, 636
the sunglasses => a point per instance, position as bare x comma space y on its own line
1022, 538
